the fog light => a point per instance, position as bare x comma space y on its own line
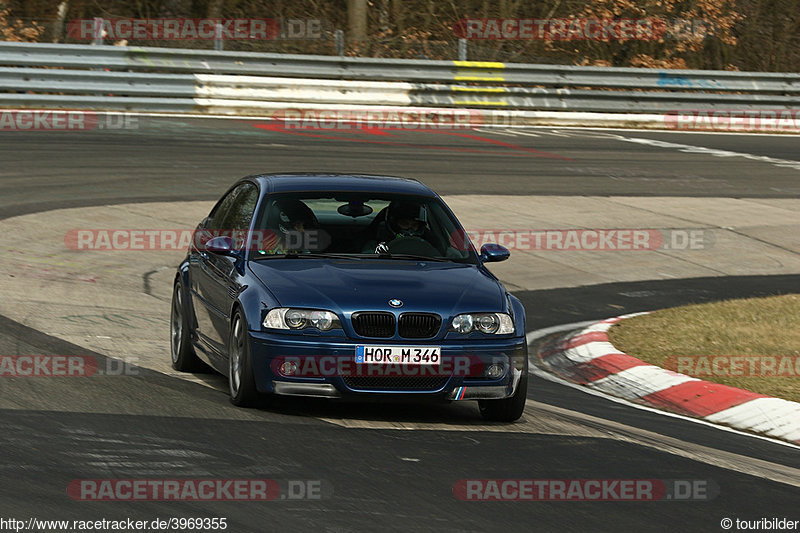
288, 368
494, 371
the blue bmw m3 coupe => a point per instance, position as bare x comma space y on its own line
347, 286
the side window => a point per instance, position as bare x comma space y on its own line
217, 216
240, 213
235, 210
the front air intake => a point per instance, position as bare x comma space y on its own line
373, 324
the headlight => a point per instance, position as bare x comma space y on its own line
295, 319
288, 318
487, 323
491, 323
462, 323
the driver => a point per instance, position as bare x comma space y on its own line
407, 219
403, 220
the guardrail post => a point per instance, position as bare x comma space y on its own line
462, 49
97, 31
218, 45
339, 36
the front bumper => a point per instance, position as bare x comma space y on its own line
270, 349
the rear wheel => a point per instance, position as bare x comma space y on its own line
183, 355
507, 409
240, 367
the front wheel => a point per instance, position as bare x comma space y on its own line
183, 355
240, 367
507, 409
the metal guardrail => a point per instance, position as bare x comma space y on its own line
111, 77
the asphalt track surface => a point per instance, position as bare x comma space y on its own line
152, 425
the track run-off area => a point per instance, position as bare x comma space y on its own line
718, 217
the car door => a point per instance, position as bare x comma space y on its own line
215, 279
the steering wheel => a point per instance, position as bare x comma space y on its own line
412, 246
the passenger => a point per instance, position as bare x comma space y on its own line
296, 224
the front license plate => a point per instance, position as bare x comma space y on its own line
409, 355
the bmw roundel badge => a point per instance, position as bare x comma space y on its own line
394, 302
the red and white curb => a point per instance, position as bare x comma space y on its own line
588, 358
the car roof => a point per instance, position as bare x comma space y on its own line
297, 182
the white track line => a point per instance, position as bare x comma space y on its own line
528, 133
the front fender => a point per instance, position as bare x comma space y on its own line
518, 311
182, 275
254, 300
250, 302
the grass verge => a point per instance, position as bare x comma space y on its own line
751, 344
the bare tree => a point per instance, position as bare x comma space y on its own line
357, 20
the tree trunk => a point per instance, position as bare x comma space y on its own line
58, 23
357, 20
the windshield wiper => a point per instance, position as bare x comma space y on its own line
404, 257
412, 257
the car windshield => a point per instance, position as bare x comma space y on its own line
385, 226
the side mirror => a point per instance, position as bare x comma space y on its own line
492, 253
222, 245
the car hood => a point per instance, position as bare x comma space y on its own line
352, 285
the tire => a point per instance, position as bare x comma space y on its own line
507, 409
184, 358
241, 382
